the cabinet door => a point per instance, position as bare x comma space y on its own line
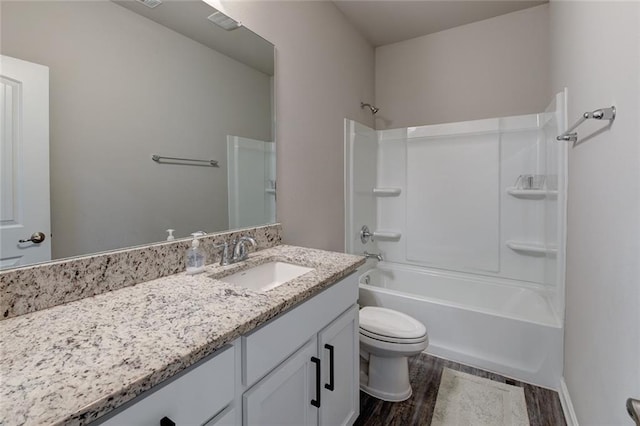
264, 349
338, 344
284, 396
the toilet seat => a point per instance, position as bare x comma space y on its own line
389, 339
391, 326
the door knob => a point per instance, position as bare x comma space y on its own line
36, 238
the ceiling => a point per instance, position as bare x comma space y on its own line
387, 21
189, 19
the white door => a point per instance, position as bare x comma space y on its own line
24, 162
339, 347
284, 396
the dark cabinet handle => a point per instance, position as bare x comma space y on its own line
166, 421
316, 402
330, 384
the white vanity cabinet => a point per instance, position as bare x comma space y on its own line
310, 357
300, 368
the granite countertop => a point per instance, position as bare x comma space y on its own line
75, 362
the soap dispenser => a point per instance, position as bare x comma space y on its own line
195, 257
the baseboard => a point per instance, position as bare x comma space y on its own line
567, 406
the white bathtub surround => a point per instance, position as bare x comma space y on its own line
42, 286
360, 204
468, 399
477, 258
455, 209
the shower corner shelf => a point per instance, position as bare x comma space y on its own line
387, 191
270, 190
531, 193
532, 249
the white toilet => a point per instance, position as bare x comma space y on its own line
387, 339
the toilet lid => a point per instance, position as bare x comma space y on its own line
390, 323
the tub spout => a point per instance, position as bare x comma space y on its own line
377, 256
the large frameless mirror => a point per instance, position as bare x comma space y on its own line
123, 119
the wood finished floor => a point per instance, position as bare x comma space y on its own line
543, 405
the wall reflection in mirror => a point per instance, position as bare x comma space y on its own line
125, 82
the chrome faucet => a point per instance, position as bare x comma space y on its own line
240, 250
236, 254
224, 253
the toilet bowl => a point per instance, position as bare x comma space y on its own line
387, 339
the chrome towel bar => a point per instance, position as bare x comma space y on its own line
599, 114
185, 161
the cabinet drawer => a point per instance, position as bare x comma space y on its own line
191, 399
268, 346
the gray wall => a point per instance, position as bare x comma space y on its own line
106, 121
492, 68
596, 55
324, 68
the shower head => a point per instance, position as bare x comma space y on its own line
371, 107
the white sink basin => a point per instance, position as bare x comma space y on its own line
266, 276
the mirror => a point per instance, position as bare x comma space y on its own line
129, 80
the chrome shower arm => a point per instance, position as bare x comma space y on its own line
371, 107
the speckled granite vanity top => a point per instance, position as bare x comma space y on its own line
73, 363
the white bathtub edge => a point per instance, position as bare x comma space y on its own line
553, 324
492, 367
567, 407
450, 340
552, 320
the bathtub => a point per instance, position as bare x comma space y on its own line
478, 321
